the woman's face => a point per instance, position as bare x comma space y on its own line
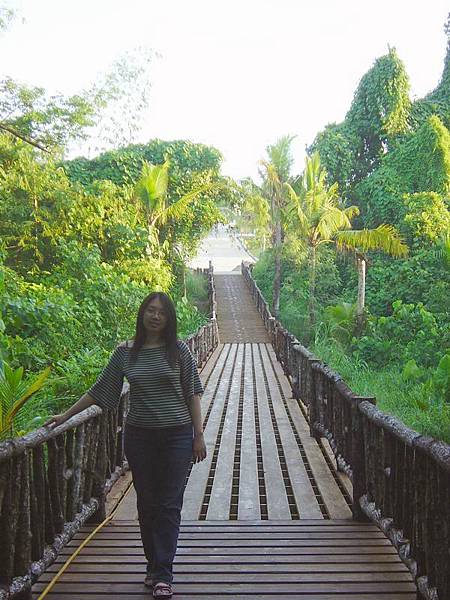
155, 317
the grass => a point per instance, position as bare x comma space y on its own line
196, 287
394, 396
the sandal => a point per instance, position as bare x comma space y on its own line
162, 590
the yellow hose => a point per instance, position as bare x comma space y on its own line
82, 545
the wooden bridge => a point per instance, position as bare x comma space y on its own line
267, 514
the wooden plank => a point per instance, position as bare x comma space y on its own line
211, 363
220, 499
237, 588
196, 486
124, 538
241, 567
277, 503
229, 543
212, 383
128, 507
248, 501
266, 523
187, 596
237, 316
243, 551
241, 527
333, 498
224, 576
247, 557
305, 497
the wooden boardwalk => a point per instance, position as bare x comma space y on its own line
265, 515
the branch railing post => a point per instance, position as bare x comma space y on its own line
52, 481
312, 397
358, 459
401, 480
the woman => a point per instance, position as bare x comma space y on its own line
163, 431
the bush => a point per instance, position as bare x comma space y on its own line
410, 333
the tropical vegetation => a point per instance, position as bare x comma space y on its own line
375, 195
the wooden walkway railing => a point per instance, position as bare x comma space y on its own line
264, 515
401, 479
54, 481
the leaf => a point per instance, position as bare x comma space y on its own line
411, 372
27, 393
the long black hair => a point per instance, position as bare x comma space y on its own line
169, 333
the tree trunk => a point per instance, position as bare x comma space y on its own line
361, 264
183, 271
277, 278
312, 287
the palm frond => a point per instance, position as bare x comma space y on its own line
29, 391
151, 188
385, 237
332, 220
178, 208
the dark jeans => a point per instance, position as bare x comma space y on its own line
159, 460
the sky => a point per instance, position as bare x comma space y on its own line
234, 74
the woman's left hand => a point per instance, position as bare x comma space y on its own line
198, 448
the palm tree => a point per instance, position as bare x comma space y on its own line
385, 238
276, 175
151, 191
442, 250
256, 211
318, 217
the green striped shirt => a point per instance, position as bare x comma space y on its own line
159, 394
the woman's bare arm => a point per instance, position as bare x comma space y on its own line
196, 415
84, 402
198, 446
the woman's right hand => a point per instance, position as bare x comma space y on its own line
55, 420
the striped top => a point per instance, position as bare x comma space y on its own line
159, 394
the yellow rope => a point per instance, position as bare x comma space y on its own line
82, 545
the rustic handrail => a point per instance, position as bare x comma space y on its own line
54, 480
401, 479
51, 483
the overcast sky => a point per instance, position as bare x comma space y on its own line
236, 74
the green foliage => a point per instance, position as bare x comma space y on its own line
436, 102
412, 372
391, 158
196, 287
411, 332
15, 391
427, 217
408, 401
189, 317
420, 164
381, 106
124, 166
295, 287
341, 322
192, 167
336, 146
420, 278
74, 269
46, 121
378, 118
441, 378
